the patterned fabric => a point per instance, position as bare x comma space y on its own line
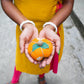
39, 11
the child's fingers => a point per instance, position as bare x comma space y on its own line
43, 64
28, 56
22, 45
26, 52
26, 46
57, 44
47, 61
50, 58
40, 65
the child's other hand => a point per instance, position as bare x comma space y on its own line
30, 32
49, 34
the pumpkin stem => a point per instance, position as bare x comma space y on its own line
40, 43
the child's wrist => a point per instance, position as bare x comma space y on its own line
51, 26
26, 23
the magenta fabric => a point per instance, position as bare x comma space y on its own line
54, 63
59, 6
16, 76
41, 76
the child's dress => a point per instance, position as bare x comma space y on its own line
39, 11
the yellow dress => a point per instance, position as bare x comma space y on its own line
39, 11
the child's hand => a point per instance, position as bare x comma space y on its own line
30, 32
49, 34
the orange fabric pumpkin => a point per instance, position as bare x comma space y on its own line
40, 48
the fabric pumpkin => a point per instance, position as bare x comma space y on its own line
40, 48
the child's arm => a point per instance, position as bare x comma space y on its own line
29, 31
11, 10
47, 31
63, 13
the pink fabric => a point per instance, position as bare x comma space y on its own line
16, 76
54, 63
59, 6
41, 76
